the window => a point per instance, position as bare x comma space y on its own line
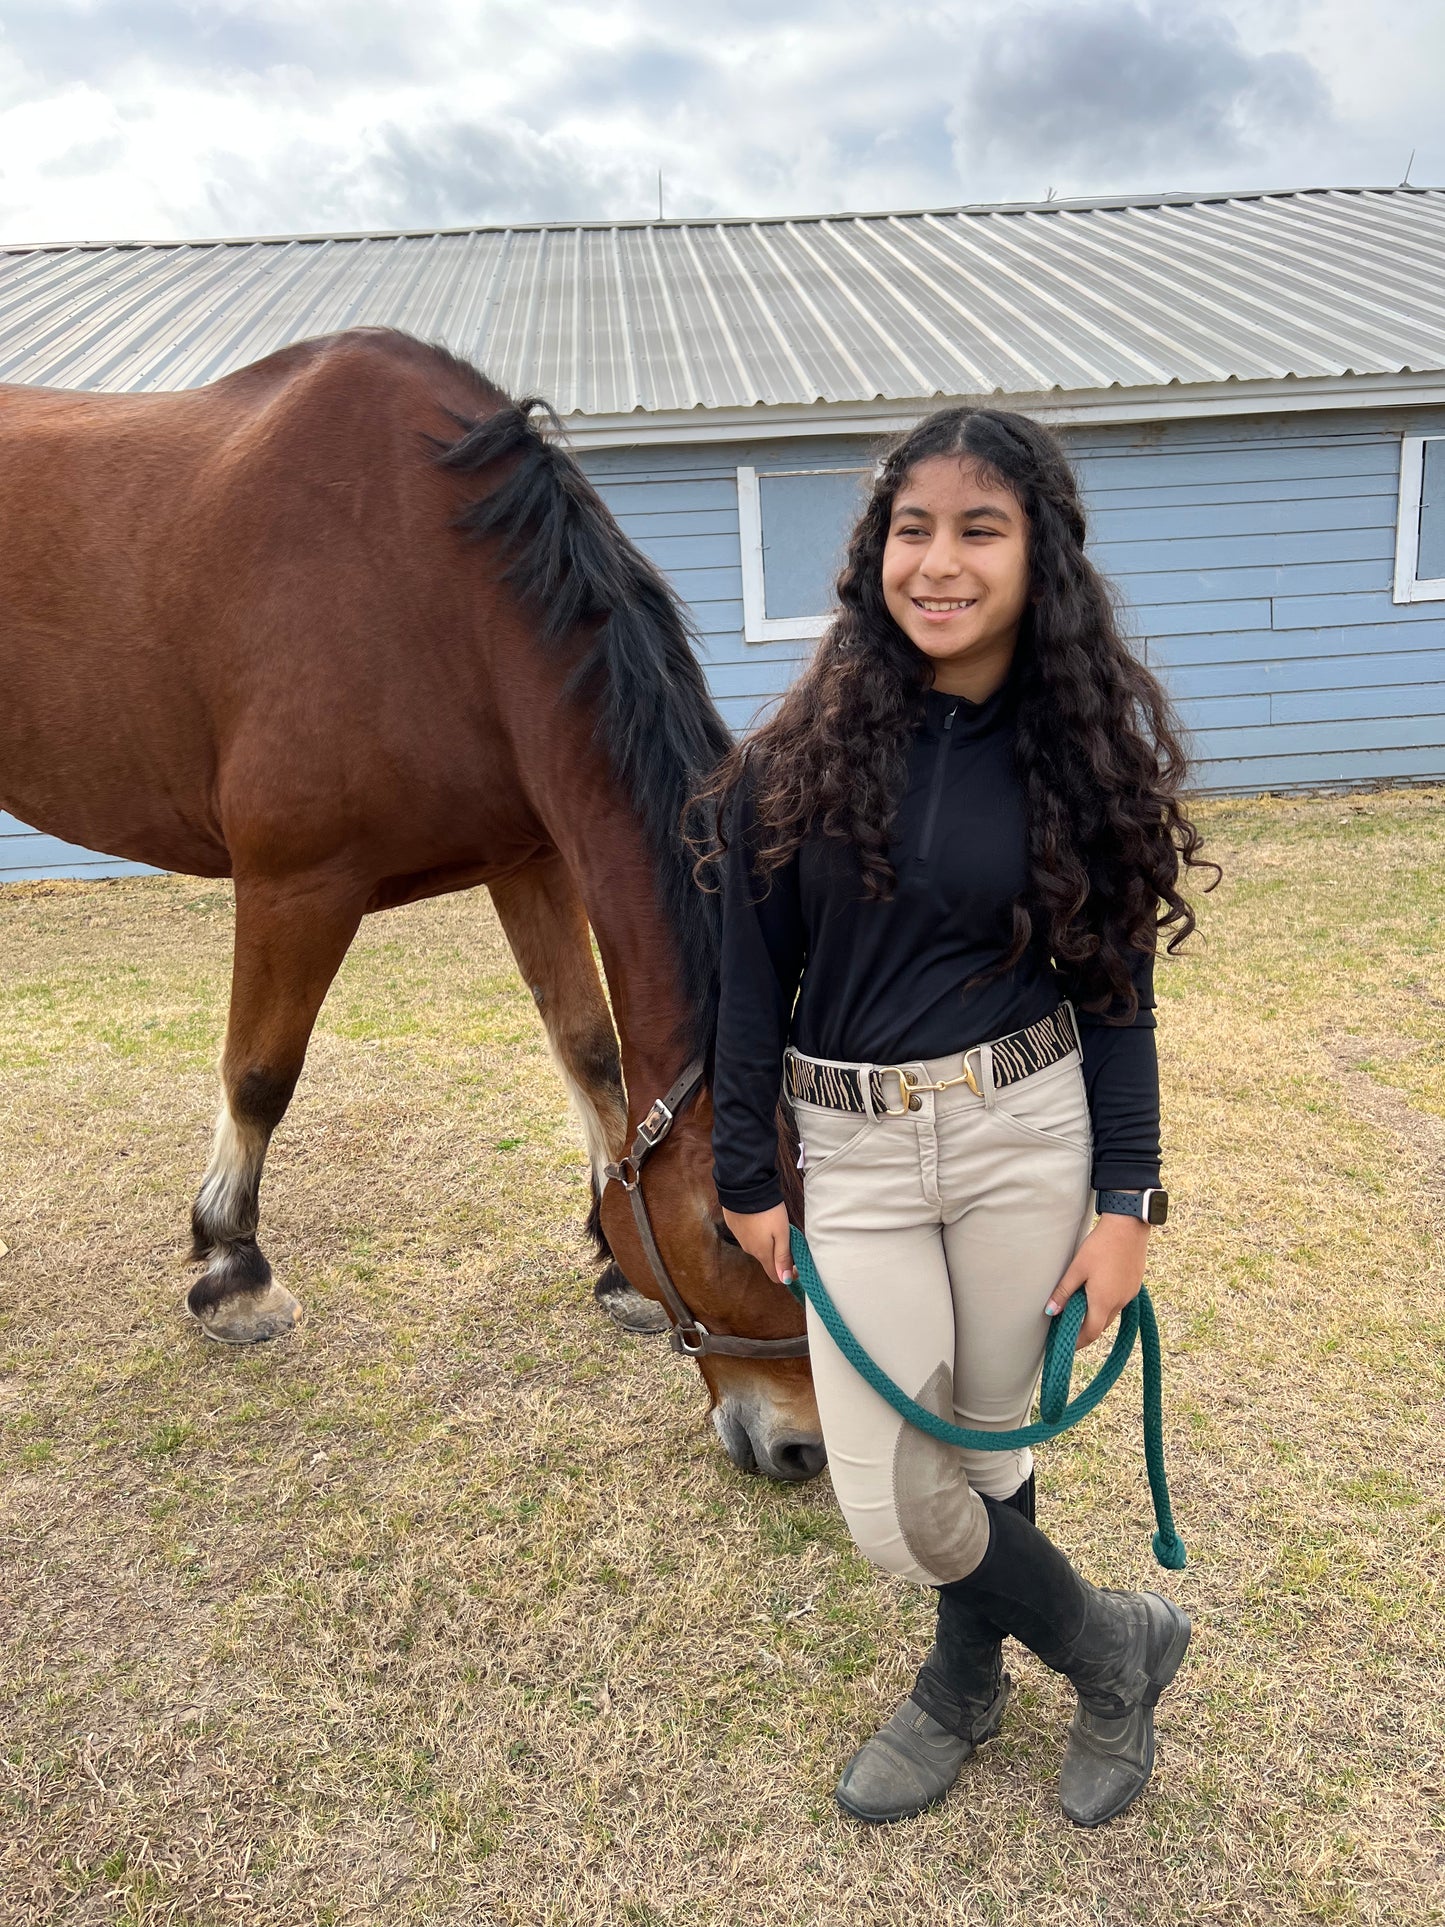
793, 524
1420, 531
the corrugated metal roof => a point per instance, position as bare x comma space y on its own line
652, 316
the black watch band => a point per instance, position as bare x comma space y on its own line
1152, 1206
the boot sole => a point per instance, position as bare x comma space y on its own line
909, 1813
1170, 1661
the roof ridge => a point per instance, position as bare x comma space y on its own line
1063, 205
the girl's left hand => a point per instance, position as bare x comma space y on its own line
1110, 1262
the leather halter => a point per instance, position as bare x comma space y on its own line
688, 1336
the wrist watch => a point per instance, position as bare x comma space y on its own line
1151, 1206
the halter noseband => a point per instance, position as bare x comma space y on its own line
689, 1337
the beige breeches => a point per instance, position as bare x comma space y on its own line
939, 1235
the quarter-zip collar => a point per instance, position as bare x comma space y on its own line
940, 769
970, 719
954, 719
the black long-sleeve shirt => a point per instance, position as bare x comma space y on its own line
808, 959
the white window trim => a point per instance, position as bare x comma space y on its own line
758, 625
1408, 586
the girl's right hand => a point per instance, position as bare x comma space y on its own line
764, 1235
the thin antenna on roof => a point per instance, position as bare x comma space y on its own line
659, 193
1406, 181
1050, 195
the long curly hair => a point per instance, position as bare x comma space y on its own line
1098, 748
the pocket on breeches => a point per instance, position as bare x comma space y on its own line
826, 1136
1051, 1107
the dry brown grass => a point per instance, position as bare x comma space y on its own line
448, 1610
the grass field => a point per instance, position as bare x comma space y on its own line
449, 1610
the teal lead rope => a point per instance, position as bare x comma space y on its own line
1056, 1411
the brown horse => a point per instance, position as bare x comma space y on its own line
347, 627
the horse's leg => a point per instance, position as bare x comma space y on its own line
546, 925
290, 940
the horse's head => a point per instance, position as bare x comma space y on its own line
762, 1402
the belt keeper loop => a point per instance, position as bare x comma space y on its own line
985, 1075
865, 1089
1074, 1026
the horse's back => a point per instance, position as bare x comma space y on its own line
180, 572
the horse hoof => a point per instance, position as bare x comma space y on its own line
250, 1318
626, 1307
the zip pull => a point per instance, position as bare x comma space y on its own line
935, 788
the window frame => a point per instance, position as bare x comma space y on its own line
758, 625
1408, 586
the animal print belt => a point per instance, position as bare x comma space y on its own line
889, 1090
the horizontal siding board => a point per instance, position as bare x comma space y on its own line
672, 552
644, 529
1205, 585
1364, 732
1311, 610
1373, 490
1144, 557
1422, 702
1372, 455
724, 631
717, 584
1365, 645
770, 676
44, 872
1257, 522
1209, 712
27, 853
1344, 768
1309, 670
740, 712
1185, 618
676, 495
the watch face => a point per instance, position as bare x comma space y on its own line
1158, 1206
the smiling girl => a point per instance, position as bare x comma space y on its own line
945, 862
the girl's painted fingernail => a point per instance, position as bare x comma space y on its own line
1051, 1310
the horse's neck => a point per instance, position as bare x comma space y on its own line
606, 852
639, 959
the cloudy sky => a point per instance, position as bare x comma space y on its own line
154, 118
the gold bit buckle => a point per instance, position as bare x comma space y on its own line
906, 1089
909, 1087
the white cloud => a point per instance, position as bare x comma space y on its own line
127, 118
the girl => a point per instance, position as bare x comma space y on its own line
944, 863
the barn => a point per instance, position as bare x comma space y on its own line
1253, 386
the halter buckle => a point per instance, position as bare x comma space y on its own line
656, 1125
680, 1335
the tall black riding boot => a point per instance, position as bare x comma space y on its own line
1120, 1650
962, 1672
957, 1703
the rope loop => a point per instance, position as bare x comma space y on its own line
1057, 1411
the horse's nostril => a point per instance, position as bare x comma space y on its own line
799, 1458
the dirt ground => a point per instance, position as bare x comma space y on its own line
449, 1609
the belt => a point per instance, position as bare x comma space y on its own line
867, 1088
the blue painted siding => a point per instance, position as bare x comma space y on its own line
27, 855
1254, 559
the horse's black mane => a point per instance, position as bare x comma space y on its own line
655, 717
